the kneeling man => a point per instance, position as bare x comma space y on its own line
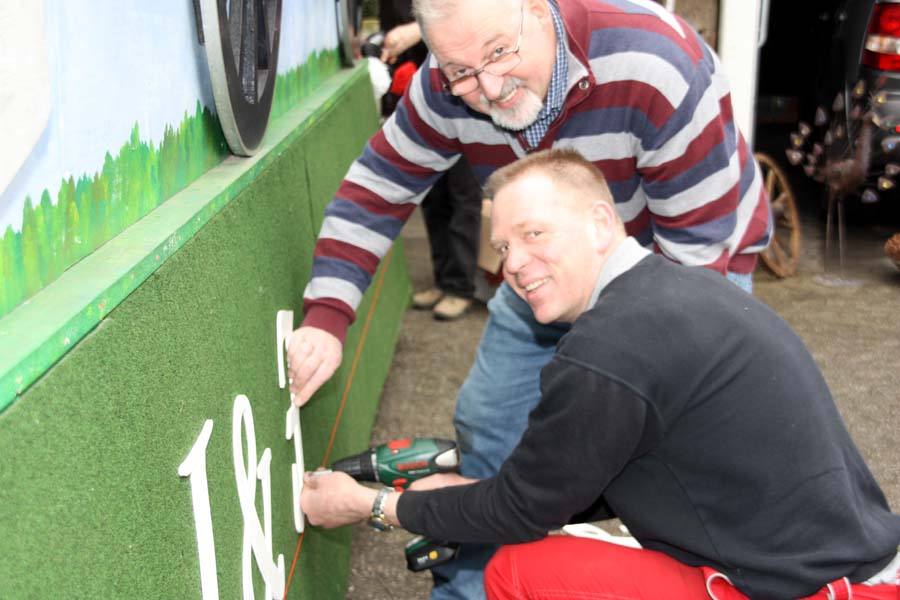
678, 403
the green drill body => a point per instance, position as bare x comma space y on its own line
397, 464
400, 462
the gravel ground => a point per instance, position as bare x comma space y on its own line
853, 332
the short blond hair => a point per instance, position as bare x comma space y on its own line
564, 167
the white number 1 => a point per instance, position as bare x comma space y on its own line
194, 466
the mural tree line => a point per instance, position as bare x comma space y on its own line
91, 209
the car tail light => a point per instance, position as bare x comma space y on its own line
882, 49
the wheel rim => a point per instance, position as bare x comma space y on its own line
783, 254
241, 38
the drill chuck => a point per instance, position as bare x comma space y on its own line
360, 467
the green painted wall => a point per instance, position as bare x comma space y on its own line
91, 505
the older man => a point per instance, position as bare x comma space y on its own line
678, 403
631, 86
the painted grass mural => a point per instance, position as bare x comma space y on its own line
91, 209
299, 82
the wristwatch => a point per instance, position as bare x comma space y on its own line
377, 520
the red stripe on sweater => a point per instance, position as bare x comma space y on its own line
639, 224
756, 228
374, 203
491, 155
634, 95
718, 208
653, 24
331, 248
434, 139
712, 135
386, 151
330, 314
721, 263
617, 169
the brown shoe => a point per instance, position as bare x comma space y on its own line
427, 299
451, 307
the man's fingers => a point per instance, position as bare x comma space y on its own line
310, 480
304, 363
313, 356
298, 350
323, 373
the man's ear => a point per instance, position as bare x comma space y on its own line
538, 8
603, 216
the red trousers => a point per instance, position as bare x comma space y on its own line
560, 567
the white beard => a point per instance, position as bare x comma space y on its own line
518, 116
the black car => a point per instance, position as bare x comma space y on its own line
831, 70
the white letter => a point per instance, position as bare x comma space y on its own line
284, 323
194, 466
292, 430
255, 540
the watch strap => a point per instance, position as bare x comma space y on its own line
377, 519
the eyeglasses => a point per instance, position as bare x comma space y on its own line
464, 80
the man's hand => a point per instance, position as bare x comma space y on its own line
335, 499
439, 480
313, 355
398, 40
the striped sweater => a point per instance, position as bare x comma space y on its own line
647, 103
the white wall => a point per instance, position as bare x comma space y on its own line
739, 36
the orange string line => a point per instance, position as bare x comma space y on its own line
337, 419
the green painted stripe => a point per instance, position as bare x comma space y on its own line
35, 335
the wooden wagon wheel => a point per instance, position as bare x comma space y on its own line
783, 253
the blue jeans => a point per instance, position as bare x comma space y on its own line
492, 411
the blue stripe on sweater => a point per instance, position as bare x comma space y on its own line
683, 114
715, 230
482, 172
401, 119
324, 266
383, 167
622, 191
615, 119
607, 42
712, 162
345, 209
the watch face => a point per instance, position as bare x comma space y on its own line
377, 520
379, 524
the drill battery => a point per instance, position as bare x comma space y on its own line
424, 553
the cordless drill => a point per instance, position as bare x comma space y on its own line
400, 462
397, 464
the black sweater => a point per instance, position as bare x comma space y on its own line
691, 411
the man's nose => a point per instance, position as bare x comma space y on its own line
491, 85
515, 260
